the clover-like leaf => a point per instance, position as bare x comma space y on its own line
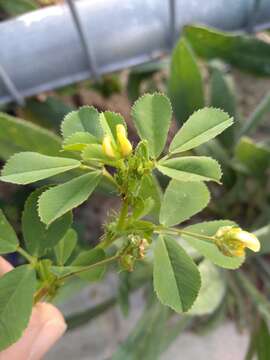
37, 236
8, 238
90, 257
176, 277
65, 246
200, 127
94, 152
78, 141
208, 250
152, 116
191, 168
17, 289
85, 119
182, 200
28, 167
60, 199
212, 290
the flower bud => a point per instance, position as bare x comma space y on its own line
124, 143
143, 247
232, 241
107, 147
127, 262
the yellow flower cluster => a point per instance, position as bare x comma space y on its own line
123, 146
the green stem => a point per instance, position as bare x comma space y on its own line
87, 167
40, 294
109, 177
123, 215
89, 267
174, 231
27, 256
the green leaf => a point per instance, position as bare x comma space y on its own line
201, 126
257, 117
18, 135
146, 340
257, 296
65, 246
83, 317
254, 158
78, 141
245, 52
135, 80
223, 97
60, 199
212, 290
185, 85
61, 270
215, 149
17, 289
142, 207
18, 7
8, 238
208, 250
86, 119
263, 341
89, 257
150, 188
152, 114
37, 236
176, 277
191, 168
123, 293
109, 120
27, 167
182, 200
94, 152
47, 113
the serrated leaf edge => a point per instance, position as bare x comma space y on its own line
230, 118
72, 113
152, 95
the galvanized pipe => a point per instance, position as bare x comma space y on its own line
42, 50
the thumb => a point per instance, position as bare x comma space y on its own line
52, 327
46, 326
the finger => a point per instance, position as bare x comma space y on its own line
46, 326
5, 266
52, 329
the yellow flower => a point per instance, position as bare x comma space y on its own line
108, 148
232, 241
124, 143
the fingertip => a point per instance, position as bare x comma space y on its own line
5, 266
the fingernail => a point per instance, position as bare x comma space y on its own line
48, 335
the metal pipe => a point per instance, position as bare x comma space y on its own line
42, 50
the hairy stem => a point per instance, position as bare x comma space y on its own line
89, 267
175, 231
123, 215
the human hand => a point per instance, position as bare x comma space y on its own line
46, 326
